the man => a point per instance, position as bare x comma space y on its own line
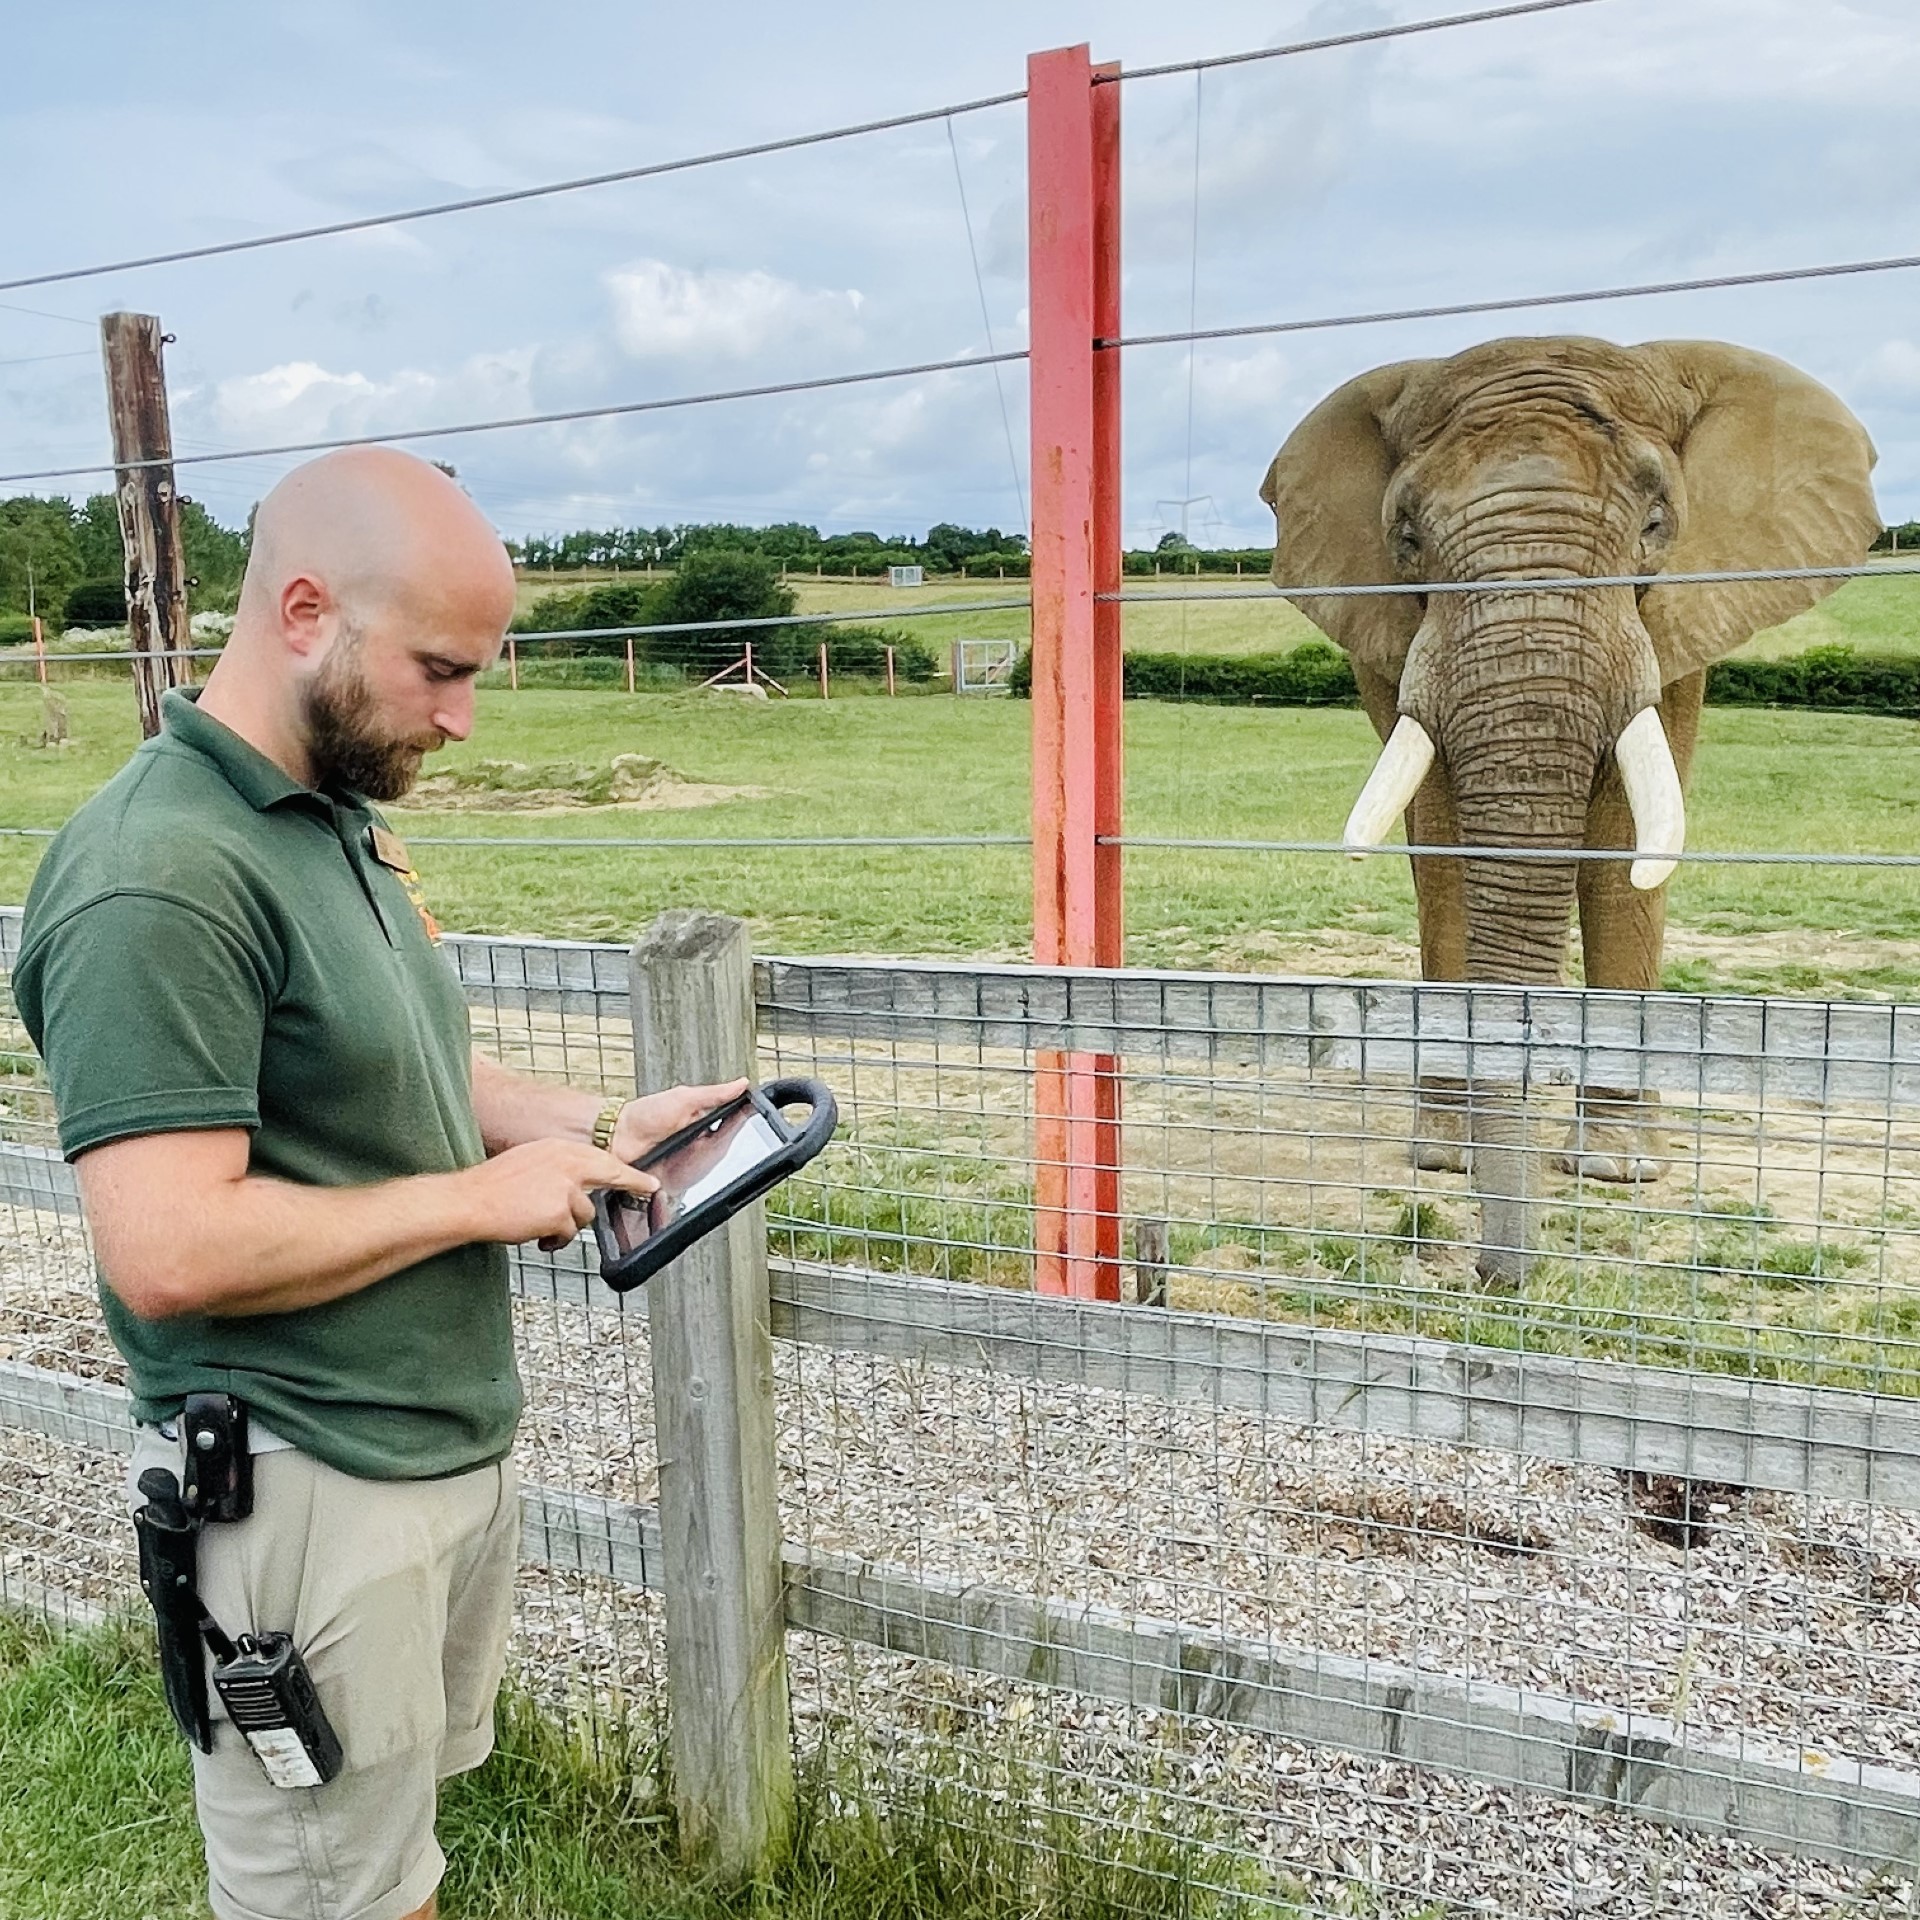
300, 1180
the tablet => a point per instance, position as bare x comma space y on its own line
707, 1173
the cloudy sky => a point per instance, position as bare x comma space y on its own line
1623, 141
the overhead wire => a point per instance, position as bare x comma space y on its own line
614, 410
1179, 844
1401, 30
580, 183
1559, 582
1707, 283
986, 320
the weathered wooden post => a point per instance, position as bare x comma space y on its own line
707, 1313
143, 488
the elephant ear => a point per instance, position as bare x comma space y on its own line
1777, 474
1325, 488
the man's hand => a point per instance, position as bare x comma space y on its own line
541, 1191
645, 1122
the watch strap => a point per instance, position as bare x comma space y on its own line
605, 1121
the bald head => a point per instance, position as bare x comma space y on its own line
375, 591
378, 529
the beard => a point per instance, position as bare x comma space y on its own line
348, 747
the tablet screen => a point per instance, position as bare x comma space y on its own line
736, 1140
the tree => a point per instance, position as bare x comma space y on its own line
719, 584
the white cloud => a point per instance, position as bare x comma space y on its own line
664, 312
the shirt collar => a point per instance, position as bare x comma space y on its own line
261, 782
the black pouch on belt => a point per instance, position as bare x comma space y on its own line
169, 1565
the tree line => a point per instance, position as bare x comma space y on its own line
64, 561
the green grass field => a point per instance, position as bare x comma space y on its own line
96, 1818
868, 765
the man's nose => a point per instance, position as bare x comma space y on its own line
454, 715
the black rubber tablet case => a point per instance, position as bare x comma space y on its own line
623, 1270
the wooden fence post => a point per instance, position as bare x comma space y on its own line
629, 663
513, 663
156, 569
707, 1313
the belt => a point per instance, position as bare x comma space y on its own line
260, 1439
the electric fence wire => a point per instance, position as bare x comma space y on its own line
1777, 276
564, 417
1155, 842
757, 149
1385, 316
986, 321
1520, 583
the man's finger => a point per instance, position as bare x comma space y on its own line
699, 1100
615, 1172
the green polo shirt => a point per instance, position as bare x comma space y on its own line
209, 944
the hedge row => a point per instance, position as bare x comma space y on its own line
1316, 674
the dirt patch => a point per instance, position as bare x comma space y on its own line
630, 782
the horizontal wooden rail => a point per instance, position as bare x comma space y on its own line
1701, 1048
1752, 1433
1804, 1801
1824, 1441
1706, 1049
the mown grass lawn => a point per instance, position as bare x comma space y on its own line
933, 764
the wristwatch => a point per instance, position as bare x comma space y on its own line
606, 1120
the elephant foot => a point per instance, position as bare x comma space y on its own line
1613, 1138
1439, 1143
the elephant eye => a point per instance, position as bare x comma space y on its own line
1658, 520
1406, 537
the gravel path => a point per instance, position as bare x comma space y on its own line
1791, 1618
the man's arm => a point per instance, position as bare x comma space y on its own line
181, 1227
513, 1110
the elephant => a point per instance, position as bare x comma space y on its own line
1521, 713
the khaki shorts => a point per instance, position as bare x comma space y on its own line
399, 1593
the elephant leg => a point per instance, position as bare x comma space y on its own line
1616, 1133
1506, 1174
1439, 1143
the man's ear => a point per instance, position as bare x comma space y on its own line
308, 616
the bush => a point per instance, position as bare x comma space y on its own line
14, 629
97, 603
863, 650
1835, 678
613, 603
1313, 674
1316, 674
717, 584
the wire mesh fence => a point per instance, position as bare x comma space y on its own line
1335, 1582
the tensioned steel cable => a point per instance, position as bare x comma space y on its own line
1688, 857
1356, 39
24, 654
788, 144
1569, 582
1776, 276
609, 412
737, 842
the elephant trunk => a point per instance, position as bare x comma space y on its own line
1524, 692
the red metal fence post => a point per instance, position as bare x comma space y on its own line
1073, 267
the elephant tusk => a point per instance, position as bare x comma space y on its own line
1390, 787
1652, 782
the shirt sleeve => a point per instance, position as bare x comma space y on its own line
151, 1015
